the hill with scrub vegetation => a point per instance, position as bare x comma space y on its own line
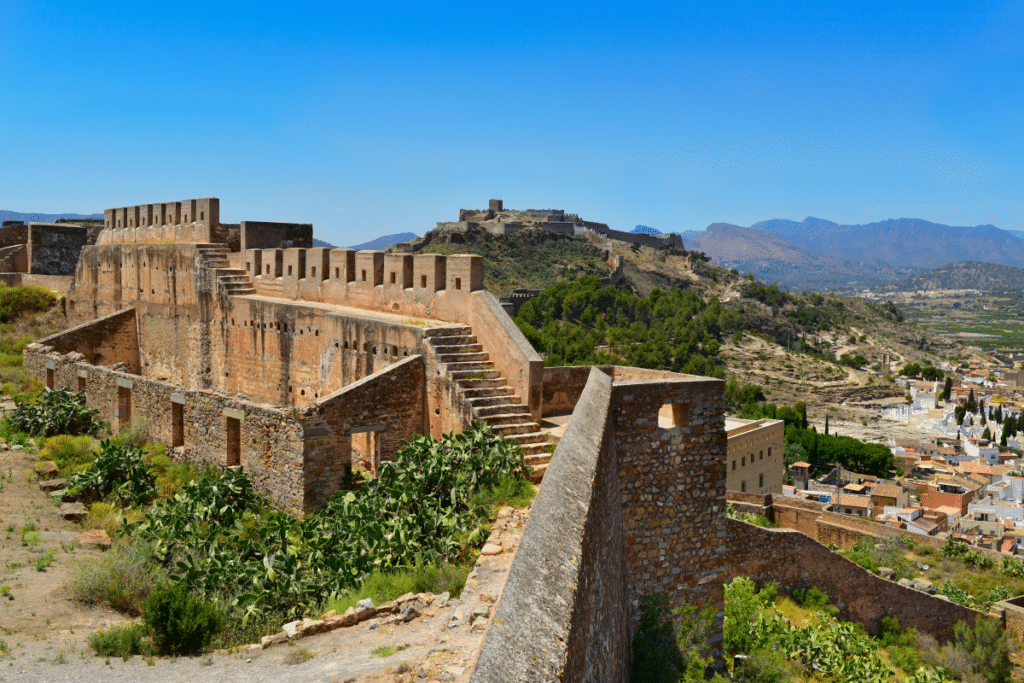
685, 314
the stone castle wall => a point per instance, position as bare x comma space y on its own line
792, 560
629, 509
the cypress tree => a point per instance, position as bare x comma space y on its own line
826, 423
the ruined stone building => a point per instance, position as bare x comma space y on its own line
41, 254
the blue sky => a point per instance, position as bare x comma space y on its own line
379, 118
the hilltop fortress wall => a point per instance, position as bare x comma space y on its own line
631, 507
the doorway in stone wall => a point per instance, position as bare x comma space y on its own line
366, 447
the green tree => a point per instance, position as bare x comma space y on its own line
947, 389
826, 424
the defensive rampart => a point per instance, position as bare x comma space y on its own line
630, 508
792, 560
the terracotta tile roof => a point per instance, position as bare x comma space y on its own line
854, 501
948, 510
976, 467
801, 464
1007, 546
887, 491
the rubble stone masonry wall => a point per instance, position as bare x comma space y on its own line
793, 560
629, 509
271, 448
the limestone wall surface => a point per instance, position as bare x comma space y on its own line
793, 560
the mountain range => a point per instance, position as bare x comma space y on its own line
819, 254
44, 217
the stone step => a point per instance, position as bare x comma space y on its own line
488, 401
238, 286
230, 271
477, 375
453, 340
526, 437
501, 409
450, 358
483, 391
458, 348
537, 459
470, 366
52, 484
486, 383
514, 429
537, 476
233, 278
509, 418
536, 448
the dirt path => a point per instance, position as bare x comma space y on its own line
36, 607
45, 631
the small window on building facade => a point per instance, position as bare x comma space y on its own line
313, 272
760, 481
81, 384
743, 486
364, 276
177, 425
760, 455
289, 270
458, 283
769, 451
734, 464
337, 273
743, 461
268, 269
394, 278
49, 378
234, 442
423, 281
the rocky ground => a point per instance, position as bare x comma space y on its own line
44, 633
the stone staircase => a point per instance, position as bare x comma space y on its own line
488, 397
231, 281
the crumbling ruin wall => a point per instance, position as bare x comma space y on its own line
270, 447
109, 340
386, 407
629, 509
793, 560
14, 259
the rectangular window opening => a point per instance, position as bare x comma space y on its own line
458, 283
760, 481
177, 425
743, 486
49, 378
394, 278
423, 281
313, 272
289, 270
337, 273
81, 384
234, 442
364, 276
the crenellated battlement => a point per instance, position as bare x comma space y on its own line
190, 221
425, 285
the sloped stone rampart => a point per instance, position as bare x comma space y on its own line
563, 612
792, 560
629, 508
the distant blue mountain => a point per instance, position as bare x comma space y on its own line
44, 217
904, 241
644, 230
385, 241
321, 243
